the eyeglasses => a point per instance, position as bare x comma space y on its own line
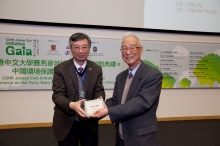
83, 48
131, 48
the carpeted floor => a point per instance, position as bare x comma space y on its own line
176, 133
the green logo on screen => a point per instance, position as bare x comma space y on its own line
10, 50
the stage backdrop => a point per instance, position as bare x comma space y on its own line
27, 61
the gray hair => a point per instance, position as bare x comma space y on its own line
77, 37
128, 34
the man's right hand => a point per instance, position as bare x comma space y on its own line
76, 106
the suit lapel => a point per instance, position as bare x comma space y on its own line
135, 82
88, 74
72, 72
122, 84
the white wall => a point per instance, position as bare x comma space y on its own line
37, 106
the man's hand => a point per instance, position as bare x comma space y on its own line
76, 106
102, 112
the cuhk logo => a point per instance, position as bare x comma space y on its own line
95, 49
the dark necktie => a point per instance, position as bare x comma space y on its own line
130, 75
80, 69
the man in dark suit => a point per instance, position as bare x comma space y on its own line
135, 98
75, 81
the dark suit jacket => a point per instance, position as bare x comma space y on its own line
138, 114
65, 89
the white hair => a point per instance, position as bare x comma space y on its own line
128, 34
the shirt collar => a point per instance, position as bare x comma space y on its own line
77, 65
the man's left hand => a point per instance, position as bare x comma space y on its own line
102, 112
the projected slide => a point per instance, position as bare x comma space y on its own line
27, 62
183, 15
186, 15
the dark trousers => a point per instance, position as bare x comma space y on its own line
81, 132
119, 141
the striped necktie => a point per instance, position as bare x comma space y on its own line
80, 69
130, 75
